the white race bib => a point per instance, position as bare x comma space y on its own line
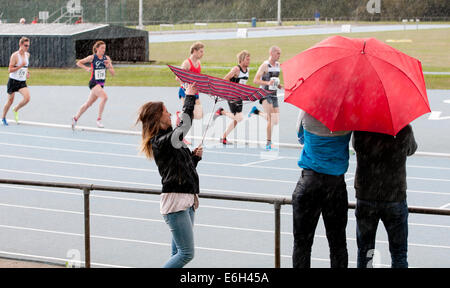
276, 82
22, 74
243, 81
100, 74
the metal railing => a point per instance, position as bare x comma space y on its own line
275, 201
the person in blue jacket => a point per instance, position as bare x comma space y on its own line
321, 189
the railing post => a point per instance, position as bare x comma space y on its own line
87, 233
277, 207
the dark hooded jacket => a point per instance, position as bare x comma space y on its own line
177, 165
381, 164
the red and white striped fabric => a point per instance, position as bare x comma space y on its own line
214, 86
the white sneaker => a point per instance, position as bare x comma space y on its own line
99, 124
74, 123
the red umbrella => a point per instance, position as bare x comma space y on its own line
219, 87
356, 84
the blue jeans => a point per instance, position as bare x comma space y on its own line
395, 219
181, 225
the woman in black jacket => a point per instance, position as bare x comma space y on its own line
177, 167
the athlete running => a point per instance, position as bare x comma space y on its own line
238, 74
99, 64
268, 78
18, 75
192, 64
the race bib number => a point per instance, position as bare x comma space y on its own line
100, 74
243, 81
22, 73
276, 82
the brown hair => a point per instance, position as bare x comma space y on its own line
242, 55
197, 46
23, 40
96, 45
150, 115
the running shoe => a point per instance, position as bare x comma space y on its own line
224, 141
268, 146
99, 124
74, 123
16, 116
253, 111
5, 123
218, 113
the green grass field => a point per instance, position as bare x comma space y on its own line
431, 47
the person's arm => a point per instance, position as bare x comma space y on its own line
258, 77
186, 117
185, 66
299, 128
81, 63
233, 72
28, 71
197, 155
13, 62
109, 66
412, 144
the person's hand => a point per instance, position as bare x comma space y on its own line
108, 63
28, 74
191, 89
271, 82
198, 151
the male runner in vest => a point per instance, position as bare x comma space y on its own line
268, 78
238, 74
18, 75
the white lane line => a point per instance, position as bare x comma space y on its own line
203, 162
202, 174
46, 258
67, 139
133, 156
126, 144
137, 156
93, 195
72, 150
428, 167
143, 170
261, 161
223, 227
130, 183
428, 179
157, 202
445, 206
140, 241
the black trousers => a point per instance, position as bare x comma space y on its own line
316, 194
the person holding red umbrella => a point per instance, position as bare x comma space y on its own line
321, 189
380, 185
353, 84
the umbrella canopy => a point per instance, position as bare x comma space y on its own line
219, 87
356, 84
